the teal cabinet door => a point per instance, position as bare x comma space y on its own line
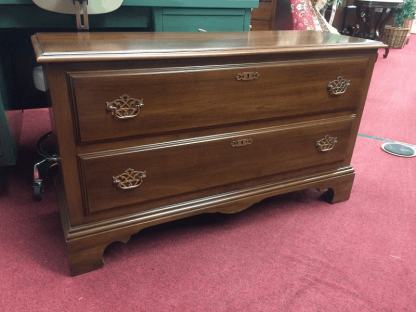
184, 20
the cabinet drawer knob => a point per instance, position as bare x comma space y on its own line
247, 76
326, 144
125, 107
338, 86
240, 143
129, 179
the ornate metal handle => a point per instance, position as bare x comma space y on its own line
247, 76
338, 86
125, 107
326, 144
129, 179
243, 142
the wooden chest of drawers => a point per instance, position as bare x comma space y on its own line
153, 127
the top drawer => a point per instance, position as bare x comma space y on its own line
171, 99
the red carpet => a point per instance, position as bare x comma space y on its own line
391, 101
289, 253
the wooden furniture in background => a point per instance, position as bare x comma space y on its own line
153, 127
372, 16
263, 17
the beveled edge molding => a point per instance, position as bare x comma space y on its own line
71, 81
210, 204
53, 56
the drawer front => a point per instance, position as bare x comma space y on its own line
168, 173
174, 99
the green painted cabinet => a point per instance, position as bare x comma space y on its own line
201, 19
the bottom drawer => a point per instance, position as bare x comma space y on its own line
175, 170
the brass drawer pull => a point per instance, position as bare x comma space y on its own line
240, 143
248, 76
129, 179
125, 107
326, 144
338, 86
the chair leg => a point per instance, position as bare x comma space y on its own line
40, 169
386, 53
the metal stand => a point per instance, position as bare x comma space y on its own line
40, 170
81, 8
81, 14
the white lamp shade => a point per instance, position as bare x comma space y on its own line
68, 7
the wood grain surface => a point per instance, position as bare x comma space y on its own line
208, 140
84, 47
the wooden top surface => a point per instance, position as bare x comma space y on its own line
104, 46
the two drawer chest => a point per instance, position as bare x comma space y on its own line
153, 127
